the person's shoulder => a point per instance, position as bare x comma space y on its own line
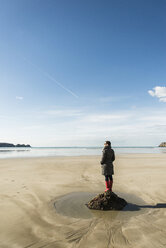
105, 149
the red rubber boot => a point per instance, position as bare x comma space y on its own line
110, 185
107, 186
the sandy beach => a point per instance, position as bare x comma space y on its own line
42, 202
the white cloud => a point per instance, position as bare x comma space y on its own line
151, 92
79, 127
62, 112
103, 118
113, 98
19, 97
163, 99
32, 127
159, 92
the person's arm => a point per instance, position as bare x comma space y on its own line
113, 157
103, 157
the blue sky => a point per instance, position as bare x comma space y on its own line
79, 72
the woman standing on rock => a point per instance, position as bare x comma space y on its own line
107, 164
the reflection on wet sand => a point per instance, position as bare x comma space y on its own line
22, 150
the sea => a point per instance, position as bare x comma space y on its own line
73, 151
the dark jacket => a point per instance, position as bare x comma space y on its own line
106, 161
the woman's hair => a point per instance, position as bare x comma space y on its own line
108, 142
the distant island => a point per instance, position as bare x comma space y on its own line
12, 145
163, 144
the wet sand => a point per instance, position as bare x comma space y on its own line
42, 203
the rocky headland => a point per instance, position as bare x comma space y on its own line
12, 145
163, 144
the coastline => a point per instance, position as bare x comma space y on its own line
31, 186
73, 151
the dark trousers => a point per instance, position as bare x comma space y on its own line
108, 177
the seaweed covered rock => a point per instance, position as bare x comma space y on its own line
107, 201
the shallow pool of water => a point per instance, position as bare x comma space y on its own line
74, 205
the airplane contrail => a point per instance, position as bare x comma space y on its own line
51, 78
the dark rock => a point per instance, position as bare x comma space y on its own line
107, 201
163, 144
